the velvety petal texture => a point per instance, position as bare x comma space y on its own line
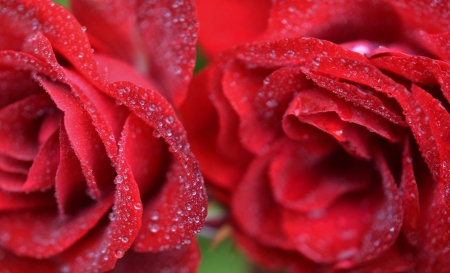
325, 133
157, 37
94, 163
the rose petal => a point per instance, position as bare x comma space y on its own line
184, 170
70, 185
147, 155
361, 96
20, 125
166, 31
292, 52
398, 258
11, 182
49, 125
111, 116
419, 69
111, 23
435, 43
11, 165
228, 23
167, 227
184, 259
115, 70
260, 99
108, 242
10, 201
201, 122
240, 87
385, 85
315, 101
43, 170
38, 45
275, 258
227, 141
432, 16
42, 234
354, 229
107, 117
351, 137
101, 248
435, 228
65, 36
410, 196
333, 21
387, 220
169, 43
26, 62
309, 180
16, 85
84, 139
14, 263
254, 209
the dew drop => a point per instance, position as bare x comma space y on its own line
119, 253
119, 179
156, 134
112, 216
154, 216
271, 103
65, 268
154, 228
138, 206
169, 119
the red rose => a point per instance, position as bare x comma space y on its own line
332, 156
95, 169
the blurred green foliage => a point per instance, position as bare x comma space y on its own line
200, 61
65, 3
224, 258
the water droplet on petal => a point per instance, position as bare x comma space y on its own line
169, 119
119, 253
138, 206
112, 216
154, 216
156, 134
154, 228
119, 179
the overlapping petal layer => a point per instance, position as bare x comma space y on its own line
344, 135
82, 170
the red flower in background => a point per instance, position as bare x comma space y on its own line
95, 169
332, 156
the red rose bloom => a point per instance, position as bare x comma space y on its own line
95, 169
330, 152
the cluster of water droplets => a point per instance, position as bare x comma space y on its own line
172, 55
171, 222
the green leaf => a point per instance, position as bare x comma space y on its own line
64, 3
200, 61
224, 258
